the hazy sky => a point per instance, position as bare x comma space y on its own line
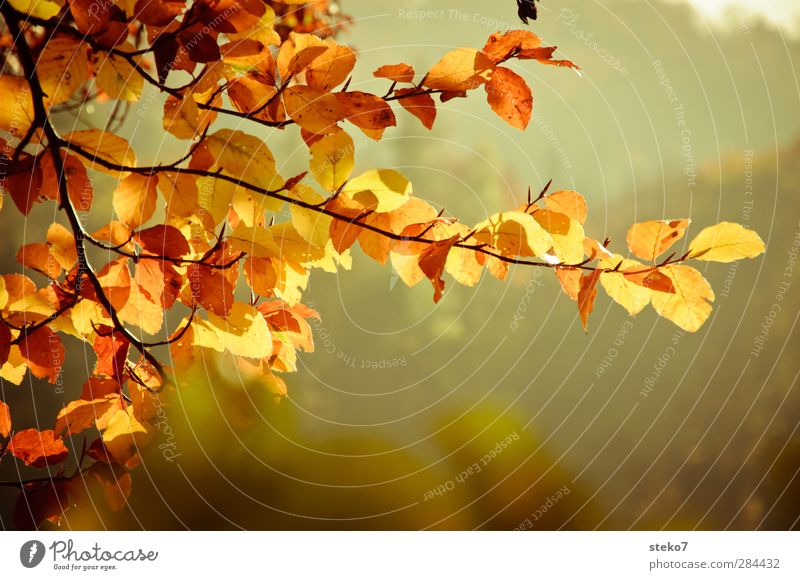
782, 13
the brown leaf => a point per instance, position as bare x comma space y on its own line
432, 261
422, 106
587, 295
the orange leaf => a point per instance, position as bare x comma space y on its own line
79, 415
462, 69
570, 281
510, 97
314, 110
422, 106
399, 73
112, 352
432, 261
648, 240
500, 46
44, 353
163, 241
587, 295
366, 111
5, 420
38, 448
570, 203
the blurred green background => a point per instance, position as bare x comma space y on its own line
636, 425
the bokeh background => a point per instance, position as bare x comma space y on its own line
635, 425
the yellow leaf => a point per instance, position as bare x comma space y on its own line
459, 70
292, 246
314, 110
62, 245
514, 233
244, 156
44, 9
16, 105
726, 242
255, 241
648, 240
103, 146
116, 77
630, 296
690, 305
244, 332
125, 436
383, 190
80, 414
312, 225
134, 199
570, 203
62, 68
332, 160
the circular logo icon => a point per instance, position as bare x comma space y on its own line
31, 553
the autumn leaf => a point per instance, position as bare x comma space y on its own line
570, 203
383, 190
432, 262
726, 242
690, 305
510, 97
586, 296
462, 69
648, 240
43, 350
79, 415
421, 105
38, 448
514, 233
125, 435
314, 110
135, 199
332, 160
243, 332
5, 420
399, 73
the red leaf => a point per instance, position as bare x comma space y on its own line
38, 448
5, 342
112, 352
43, 351
163, 241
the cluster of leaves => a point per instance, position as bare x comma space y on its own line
199, 236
